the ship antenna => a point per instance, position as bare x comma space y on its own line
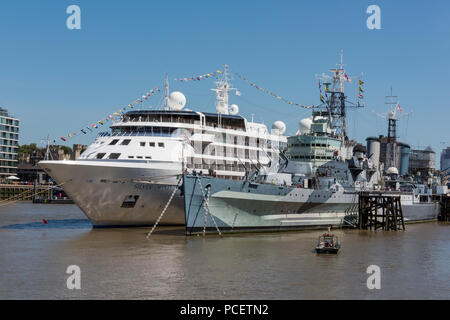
48, 154
166, 92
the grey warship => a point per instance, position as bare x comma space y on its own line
314, 183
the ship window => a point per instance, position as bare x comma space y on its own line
100, 155
125, 142
148, 157
113, 142
161, 144
151, 144
142, 144
130, 157
114, 156
139, 157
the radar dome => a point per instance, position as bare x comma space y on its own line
279, 126
392, 170
176, 100
234, 109
304, 125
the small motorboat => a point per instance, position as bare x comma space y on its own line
328, 243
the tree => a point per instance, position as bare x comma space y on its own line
28, 148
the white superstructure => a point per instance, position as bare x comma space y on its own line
125, 177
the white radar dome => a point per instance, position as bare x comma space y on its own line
304, 126
279, 126
392, 170
176, 100
234, 109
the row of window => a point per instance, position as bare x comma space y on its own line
8, 156
8, 163
117, 155
126, 142
9, 135
6, 142
312, 157
8, 149
308, 145
9, 128
9, 121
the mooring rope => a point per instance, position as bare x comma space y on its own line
165, 207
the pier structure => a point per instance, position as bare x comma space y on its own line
444, 215
378, 210
36, 193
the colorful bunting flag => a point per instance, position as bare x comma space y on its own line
271, 93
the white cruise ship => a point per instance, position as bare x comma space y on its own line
125, 178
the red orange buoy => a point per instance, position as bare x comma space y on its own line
44, 221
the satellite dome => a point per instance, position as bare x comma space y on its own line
279, 126
234, 109
176, 101
392, 170
304, 125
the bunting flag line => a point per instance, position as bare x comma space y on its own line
199, 77
273, 94
360, 90
94, 125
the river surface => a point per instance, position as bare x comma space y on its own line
121, 263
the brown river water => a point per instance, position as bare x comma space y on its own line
121, 263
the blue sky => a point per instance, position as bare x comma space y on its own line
58, 80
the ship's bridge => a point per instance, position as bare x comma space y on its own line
144, 120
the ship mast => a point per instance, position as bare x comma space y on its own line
166, 93
392, 117
221, 90
336, 102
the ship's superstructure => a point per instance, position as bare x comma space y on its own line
126, 176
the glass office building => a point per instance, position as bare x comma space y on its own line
9, 143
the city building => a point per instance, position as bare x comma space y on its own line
9, 143
422, 162
445, 159
29, 170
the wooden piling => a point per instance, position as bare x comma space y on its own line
380, 211
444, 214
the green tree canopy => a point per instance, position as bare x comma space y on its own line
28, 148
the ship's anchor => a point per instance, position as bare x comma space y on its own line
207, 211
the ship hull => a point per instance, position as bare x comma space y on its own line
238, 205
101, 189
243, 206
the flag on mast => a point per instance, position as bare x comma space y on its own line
347, 78
399, 108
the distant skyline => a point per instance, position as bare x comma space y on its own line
57, 80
